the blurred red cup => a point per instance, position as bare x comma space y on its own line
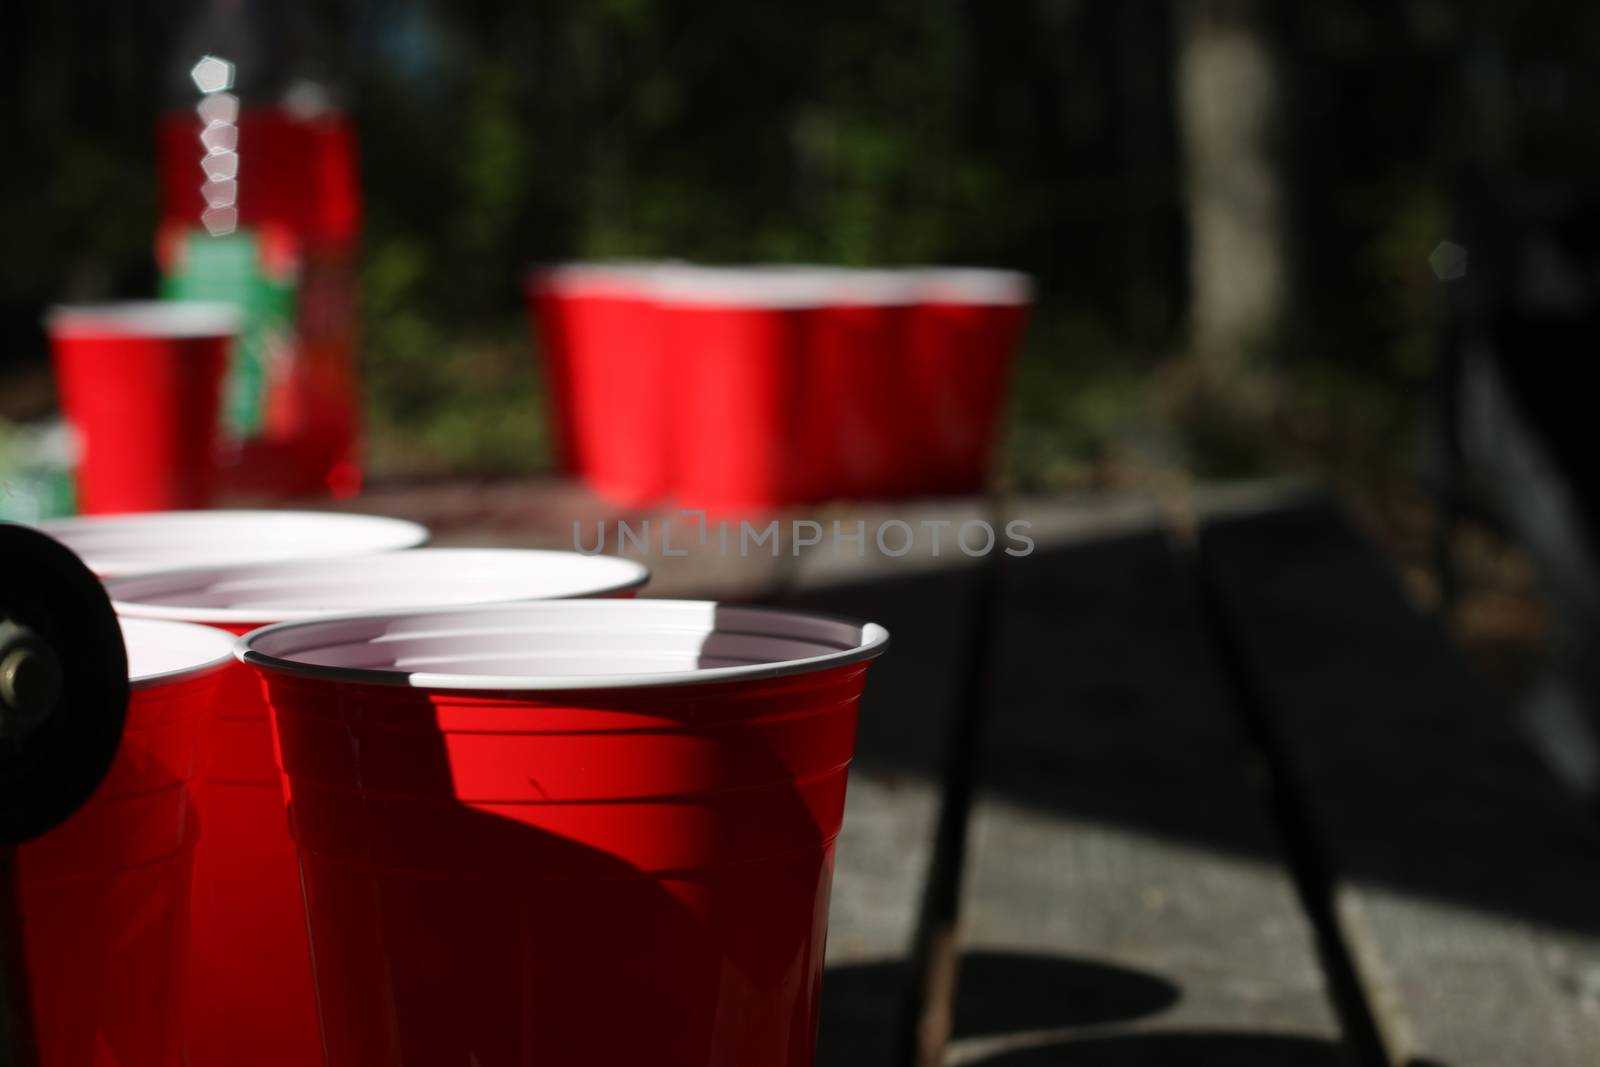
737, 344
104, 897
141, 385
599, 336
858, 429
254, 1001
961, 340
567, 832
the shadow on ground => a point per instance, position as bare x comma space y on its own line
1106, 703
1002, 993
1180, 1049
1110, 705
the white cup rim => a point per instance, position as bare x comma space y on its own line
780, 286
161, 652
404, 636
144, 318
365, 583
140, 542
973, 285
621, 279
837, 286
761, 288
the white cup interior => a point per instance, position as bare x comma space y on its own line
162, 540
162, 652
571, 644
414, 578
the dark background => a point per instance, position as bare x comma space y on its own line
1044, 135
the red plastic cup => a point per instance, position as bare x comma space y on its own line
599, 334
737, 349
141, 384
961, 341
854, 438
113, 545
104, 897
567, 832
552, 341
249, 948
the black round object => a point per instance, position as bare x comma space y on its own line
63, 683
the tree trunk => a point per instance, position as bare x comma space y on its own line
1229, 87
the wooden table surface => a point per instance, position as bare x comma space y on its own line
1232, 801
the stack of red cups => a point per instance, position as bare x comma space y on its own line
743, 390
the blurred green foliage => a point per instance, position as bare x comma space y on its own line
1036, 134
890, 133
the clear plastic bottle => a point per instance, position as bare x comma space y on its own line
260, 206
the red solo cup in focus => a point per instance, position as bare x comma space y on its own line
961, 340
567, 832
141, 385
599, 335
114, 545
104, 897
737, 351
249, 945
